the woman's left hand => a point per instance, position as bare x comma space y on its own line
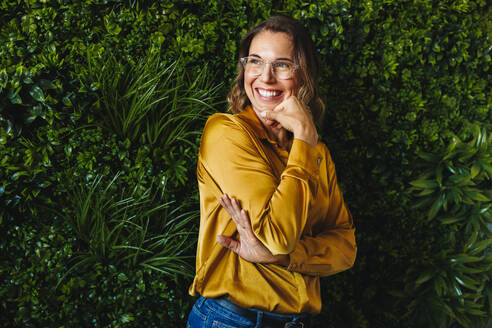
249, 247
293, 115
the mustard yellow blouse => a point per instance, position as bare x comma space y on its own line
295, 207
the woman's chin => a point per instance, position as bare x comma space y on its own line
264, 107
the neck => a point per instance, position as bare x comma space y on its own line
281, 136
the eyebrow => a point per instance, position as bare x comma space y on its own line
282, 58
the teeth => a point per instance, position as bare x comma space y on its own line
267, 93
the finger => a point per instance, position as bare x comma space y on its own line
278, 116
245, 219
280, 107
241, 222
248, 230
228, 242
226, 206
235, 216
269, 115
236, 206
226, 203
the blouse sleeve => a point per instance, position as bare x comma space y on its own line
278, 210
332, 249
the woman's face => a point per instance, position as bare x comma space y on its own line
265, 91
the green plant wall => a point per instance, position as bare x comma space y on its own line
407, 86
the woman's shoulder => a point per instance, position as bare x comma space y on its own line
223, 126
219, 120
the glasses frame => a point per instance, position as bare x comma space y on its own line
244, 61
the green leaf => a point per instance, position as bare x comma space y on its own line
467, 282
424, 184
46, 84
37, 93
435, 207
480, 246
465, 259
67, 101
426, 192
111, 27
487, 168
440, 286
471, 240
122, 277
126, 318
476, 312
4, 78
474, 170
485, 209
426, 276
458, 290
17, 175
478, 196
488, 292
450, 168
427, 156
424, 202
451, 220
439, 170
14, 96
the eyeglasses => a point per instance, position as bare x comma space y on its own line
281, 69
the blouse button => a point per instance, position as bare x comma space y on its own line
318, 160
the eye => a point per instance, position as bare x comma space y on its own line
255, 61
283, 65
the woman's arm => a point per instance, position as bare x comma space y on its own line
332, 248
330, 251
249, 247
278, 209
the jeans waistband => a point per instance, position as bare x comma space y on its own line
301, 320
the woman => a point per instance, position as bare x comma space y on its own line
265, 168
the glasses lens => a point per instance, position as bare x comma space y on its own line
255, 66
283, 69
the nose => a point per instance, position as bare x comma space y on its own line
267, 74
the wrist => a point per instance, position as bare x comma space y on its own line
307, 133
282, 259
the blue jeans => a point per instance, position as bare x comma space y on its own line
206, 313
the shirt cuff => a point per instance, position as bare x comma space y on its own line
295, 259
305, 156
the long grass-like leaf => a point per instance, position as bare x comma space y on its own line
130, 228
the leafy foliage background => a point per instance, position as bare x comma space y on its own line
101, 109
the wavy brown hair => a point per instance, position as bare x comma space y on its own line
304, 56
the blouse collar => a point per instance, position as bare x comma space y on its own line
249, 115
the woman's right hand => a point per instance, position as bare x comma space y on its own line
293, 115
249, 247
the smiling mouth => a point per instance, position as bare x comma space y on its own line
269, 94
